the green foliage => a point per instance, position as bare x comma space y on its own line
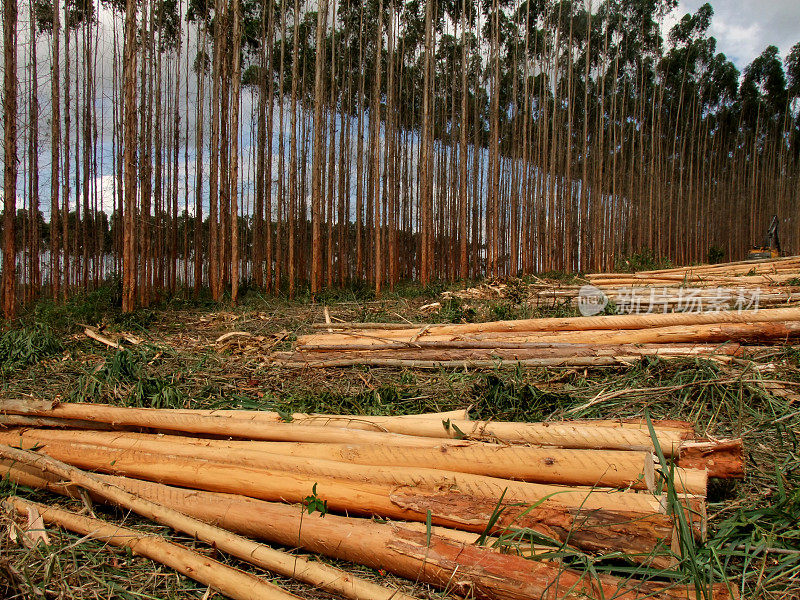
763, 88
715, 255
126, 378
792, 64
454, 310
20, 348
510, 398
764, 538
99, 306
643, 260
314, 503
7, 487
43, 11
515, 291
88, 308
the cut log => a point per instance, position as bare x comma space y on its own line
475, 349
406, 551
564, 434
605, 322
151, 459
227, 580
390, 465
10, 421
370, 500
300, 362
413, 430
604, 468
690, 481
757, 330
646, 537
722, 458
313, 573
179, 421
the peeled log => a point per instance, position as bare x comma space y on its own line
399, 503
227, 580
594, 468
147, 458
158, 419
39, 470
264, 416
298, 362
690, 481
756, 330
473, 349
405, 551
604, 468
581, 434
722, 458
606, 322
9, 421
564, 434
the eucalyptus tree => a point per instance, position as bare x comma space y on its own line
9, 280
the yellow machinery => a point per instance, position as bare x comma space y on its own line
772, 245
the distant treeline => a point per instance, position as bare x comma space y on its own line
388, 140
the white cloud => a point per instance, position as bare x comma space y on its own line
743, 28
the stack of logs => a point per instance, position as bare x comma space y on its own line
764, 274
777, 282
551, 342
479, 509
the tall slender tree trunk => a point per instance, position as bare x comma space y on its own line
213, 250
426, 170
234, 163
293, 184
261, 150
33, 162
9, 281
129, 156
199, 153
55, 137
375, 115
319, 150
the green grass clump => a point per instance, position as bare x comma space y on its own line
103, 305
511, 398
643, 260
125, 379
20, 348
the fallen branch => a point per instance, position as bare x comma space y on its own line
232, 334
98, 337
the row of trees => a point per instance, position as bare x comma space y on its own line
387, 140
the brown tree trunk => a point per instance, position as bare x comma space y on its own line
234, 162
55, 137
129, 156
319, 150
10, 158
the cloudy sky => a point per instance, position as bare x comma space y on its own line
743, 28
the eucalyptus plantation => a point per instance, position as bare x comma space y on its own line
327, 143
